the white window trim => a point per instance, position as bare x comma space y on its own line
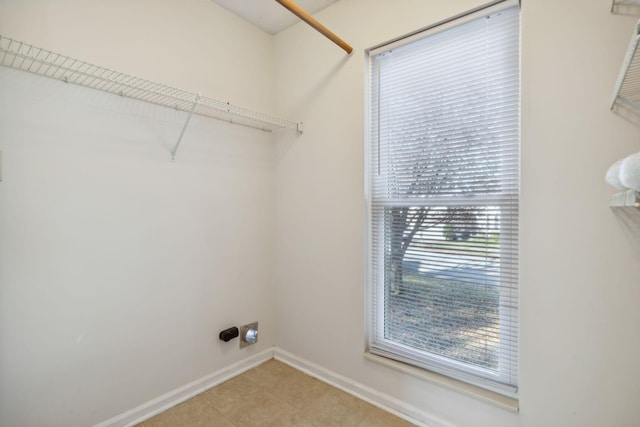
454, 21
501, 401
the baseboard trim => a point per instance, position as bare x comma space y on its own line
179, 395
381, 400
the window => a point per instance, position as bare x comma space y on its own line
443, 184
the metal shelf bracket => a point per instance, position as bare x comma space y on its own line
184, 128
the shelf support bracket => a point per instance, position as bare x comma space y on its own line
184, 128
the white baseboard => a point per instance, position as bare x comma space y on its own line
383, 401
179, 395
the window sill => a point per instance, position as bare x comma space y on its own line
496, 399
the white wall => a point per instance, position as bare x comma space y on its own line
579, 274
118, 267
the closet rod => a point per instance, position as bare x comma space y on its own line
25, 57
300, 13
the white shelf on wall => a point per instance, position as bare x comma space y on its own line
625, 7
626, 199
626, 206
19, 55
626, 97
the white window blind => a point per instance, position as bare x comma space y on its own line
443, 192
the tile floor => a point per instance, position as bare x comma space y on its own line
274, 394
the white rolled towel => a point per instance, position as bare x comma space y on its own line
613, 176
630, 172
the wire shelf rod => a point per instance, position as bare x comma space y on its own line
25, 57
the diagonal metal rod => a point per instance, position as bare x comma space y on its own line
184, 128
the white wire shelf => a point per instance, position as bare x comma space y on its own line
626, 206
625, 7
626, 199
626, 96
26, 57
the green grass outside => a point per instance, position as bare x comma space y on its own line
453, 319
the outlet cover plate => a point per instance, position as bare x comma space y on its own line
243, 334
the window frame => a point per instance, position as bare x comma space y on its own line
440, 365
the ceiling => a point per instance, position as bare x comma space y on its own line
270, 15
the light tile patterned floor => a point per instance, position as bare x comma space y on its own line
274, 394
